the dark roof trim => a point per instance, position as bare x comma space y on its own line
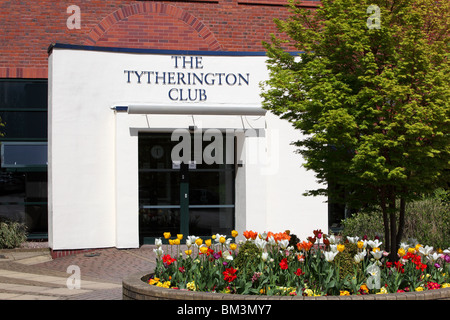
156, 51
152, 51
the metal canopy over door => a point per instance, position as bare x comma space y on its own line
192, 199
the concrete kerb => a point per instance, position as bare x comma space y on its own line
134, 287
25, 255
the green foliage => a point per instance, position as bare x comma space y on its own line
345, 261
249, 255
372, 104
12, 234
427, 221
442, 195
364, 223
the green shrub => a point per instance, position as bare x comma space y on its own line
249, 255
364, 223
345, 260
426, 220
12, 234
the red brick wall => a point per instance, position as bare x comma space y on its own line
29, 27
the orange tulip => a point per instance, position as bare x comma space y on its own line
305, 245
249, 234
279, 236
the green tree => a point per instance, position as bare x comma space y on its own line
371, 98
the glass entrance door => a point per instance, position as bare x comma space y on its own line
195, 199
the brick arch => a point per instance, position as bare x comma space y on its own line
153, 25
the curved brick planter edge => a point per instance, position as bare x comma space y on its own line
134, 287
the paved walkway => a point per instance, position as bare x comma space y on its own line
34, 275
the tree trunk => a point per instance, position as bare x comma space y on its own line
393, 228
384, 210
401, 219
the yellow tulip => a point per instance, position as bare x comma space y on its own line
208, 243
166, 235
411, 250
222, 240
203, 249
188, 252
171, 242
199, 242
233, 246
176, 241
360, 244
401, 252
417, 247
340, 247
234, 233
179, 236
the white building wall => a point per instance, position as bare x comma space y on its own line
81, 165
289, 209
93, 151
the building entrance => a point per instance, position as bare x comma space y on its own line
193, 198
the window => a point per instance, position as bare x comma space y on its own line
23, 167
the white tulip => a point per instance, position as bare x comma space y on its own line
404, 246
227, 255
190, 240
283, 243
360, 256
260, 243
159, 252
433, 257
329, 255
377, 254
426, 251
374, 243
373, 270
271, 241
264, 256
332, 239
357, 258
333, 247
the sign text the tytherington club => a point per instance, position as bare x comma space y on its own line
187, 78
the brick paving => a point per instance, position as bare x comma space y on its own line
109, 265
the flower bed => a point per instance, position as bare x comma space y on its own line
279, 264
